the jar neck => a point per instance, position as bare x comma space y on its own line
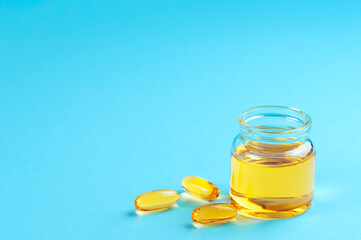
274, 125
255, 137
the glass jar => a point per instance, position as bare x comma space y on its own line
272, 163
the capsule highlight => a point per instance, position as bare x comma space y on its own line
215, 213
156, 200
200, 188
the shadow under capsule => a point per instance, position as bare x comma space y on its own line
244, 220
239, 220
186, 198
139, 213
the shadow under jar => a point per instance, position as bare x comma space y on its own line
272, 163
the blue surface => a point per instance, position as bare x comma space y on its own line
101, 101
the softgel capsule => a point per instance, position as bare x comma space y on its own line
214, 213
156, 200
200, 188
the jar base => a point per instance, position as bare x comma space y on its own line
271, 208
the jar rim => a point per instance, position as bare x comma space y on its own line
307, 121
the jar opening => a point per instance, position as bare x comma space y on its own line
275, 123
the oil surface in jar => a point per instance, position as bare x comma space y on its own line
200, 188
156, 200
214, 213
265, 185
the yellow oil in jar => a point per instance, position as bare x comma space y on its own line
272, 181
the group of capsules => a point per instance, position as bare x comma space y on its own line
207, 214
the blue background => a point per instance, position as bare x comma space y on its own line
101, 101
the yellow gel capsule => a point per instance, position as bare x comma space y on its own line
214, 213
200, 188
156, 200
